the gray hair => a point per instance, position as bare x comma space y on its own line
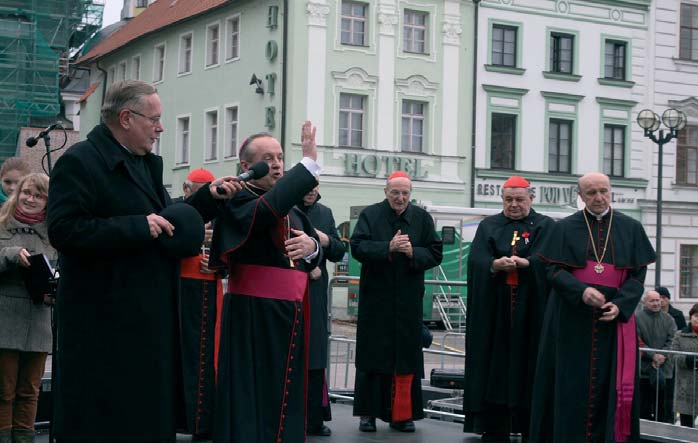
124, 95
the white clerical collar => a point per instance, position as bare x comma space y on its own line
599, 216
127, 149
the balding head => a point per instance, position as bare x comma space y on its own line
652, 302
595, 191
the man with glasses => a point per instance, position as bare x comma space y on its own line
395, 242
118, 365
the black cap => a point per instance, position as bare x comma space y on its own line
188, 233
663, 292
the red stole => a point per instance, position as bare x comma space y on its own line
626, 346
402, 397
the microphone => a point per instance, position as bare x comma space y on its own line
32, 141
258, 170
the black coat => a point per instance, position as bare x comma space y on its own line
502, 329
321, 218
118, 356
389, 333
574, 390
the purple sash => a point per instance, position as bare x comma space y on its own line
626, 352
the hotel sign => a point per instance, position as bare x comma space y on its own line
382, 165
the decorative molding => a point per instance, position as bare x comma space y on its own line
689, 106
561, 76
355, 78
416, 86
388, 23
615, 102
503, 90
561, 97
614, 82
317, 14
451, 30
505, 69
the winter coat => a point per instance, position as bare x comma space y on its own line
24, 326
686, 391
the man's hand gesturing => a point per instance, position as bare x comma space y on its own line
308, 140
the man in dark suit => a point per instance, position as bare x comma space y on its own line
118, 365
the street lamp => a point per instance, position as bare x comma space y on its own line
649, 121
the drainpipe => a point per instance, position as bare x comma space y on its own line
284, 75
474, 119
104, 86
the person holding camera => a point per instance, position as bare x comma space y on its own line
25, 323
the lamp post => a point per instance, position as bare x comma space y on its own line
674, 120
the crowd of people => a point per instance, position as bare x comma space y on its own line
209, 314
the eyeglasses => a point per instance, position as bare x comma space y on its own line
154, 120
396, 193
37, 196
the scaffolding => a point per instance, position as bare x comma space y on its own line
37, 38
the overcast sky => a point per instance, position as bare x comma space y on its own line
112, 11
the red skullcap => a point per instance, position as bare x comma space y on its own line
398, 174
516, 181
200, 175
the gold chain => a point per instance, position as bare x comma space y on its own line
599, 267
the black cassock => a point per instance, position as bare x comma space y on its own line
262, 362
318, 405
575, 388
505, 313
389, 330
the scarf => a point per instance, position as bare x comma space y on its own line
695, 330
29, 219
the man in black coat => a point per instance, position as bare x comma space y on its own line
333, 250
506, 301
118, 368
676, 314
268, 246
395, 242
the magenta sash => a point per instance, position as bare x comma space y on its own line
267, 282
626, 349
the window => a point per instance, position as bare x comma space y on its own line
231, 122
351, 120
614, 150
614, 60
354, 23
182, 157
561, 52
122, 71
504, 45
158, 63
503, 141
185, 48
687, 156
211, 134
415, 31
560, 146
688, 273
136, 67
232, 46
212, 45
141, 3
688, 46
112, 74
412, 125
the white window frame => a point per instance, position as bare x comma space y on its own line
207, 58
111, 74
679, 244
228, 147
182, 158
412, 118
351, 111
181, 60
157, 62
353, 19
122, 70
228, 38
136, 67
211, 145
414, 27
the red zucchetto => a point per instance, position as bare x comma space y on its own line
398, 174
516, 181
200, 175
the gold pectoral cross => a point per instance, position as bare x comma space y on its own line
515, 238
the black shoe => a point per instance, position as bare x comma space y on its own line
367, 424
495, 437
403, 426
322, 431
201, 437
